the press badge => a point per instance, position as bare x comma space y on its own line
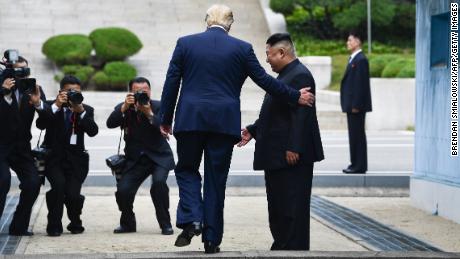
73, 139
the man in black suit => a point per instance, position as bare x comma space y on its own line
17, 111
68, 162
355, 98
147, 153
288, 142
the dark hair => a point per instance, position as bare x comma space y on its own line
69, 80
356, 35
139, 80
278, 37
21, 59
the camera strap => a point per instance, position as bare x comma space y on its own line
39, 138
119, 142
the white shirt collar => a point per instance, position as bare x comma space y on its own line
218, 26
353, 55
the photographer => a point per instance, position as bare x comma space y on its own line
68, 163
20, 97
147, 153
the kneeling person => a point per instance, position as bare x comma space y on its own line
147, 153
68, 162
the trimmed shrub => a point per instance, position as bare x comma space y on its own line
408, 71
114, 44
282, 6
377, 64
83, 73
392, 69
68, 49
102, 81
115, 76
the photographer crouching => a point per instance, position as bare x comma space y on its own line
20, 98
68, 163
147, 153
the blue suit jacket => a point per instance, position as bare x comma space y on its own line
213, 67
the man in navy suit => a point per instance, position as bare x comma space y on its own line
355, 98
212, 67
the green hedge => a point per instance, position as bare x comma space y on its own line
394, 67
377, 64
408, 71
68, 49
114, 77
83, 73
114, 44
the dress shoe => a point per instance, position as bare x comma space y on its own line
184, 238
21, 234
210, 248
121, 230
167, 231
75, 228
351, 171
54, 233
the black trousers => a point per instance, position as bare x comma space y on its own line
357, 140
128, 185
66, 183
288, 196
19, 158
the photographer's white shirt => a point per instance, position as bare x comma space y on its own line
9, 100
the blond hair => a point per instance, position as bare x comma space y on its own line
219, 15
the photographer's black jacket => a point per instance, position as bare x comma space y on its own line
57, 137
17, 119
142, 137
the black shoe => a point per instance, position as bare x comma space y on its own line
54, 233
167, 231
184, 238
210, 248
121, 230
351, 171
75, 228
21, 234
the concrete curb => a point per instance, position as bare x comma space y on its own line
251, 254
256, 179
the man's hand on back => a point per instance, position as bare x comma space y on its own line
306, 97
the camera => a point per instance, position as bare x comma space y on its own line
23, 84
141, 97
40, 155
116, 163
74, 97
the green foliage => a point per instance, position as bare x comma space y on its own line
392, 20
307, 46
83, 73
115, 76
378, 62
392, 69
68, 49
114, 44
282, 6
408, 71
339, 64
102, 81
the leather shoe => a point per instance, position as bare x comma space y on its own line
210, 248
23, 234
184, 238
54, 233
167, 231
75, 228
351, 171
122, 230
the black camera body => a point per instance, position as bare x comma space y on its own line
75, 97
40, 155
22, 83
141, 97
116, 163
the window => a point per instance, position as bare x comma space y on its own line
440, 37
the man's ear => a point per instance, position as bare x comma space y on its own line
282, 52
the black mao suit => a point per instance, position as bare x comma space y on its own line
283, 127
